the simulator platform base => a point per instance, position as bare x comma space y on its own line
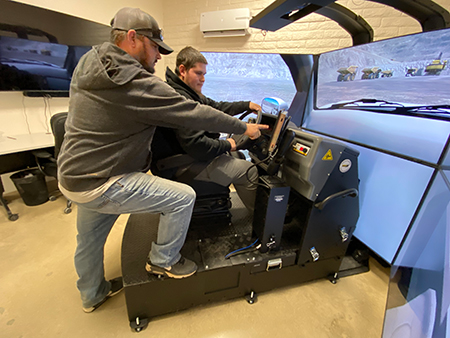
218, 278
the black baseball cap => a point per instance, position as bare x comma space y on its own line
133, 18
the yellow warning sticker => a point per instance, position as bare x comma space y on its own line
328, 156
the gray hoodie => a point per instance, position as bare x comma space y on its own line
114, 107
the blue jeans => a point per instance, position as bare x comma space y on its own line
134, 193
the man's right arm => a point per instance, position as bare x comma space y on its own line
254, 130
159, 104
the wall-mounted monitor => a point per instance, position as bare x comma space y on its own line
39, 48
37, 68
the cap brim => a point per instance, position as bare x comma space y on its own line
163, 48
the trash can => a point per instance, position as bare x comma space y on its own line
31, 186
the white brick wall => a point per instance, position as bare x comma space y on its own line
310, 35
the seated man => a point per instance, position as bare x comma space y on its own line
213, 163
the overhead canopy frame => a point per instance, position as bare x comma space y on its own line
430, 15
360, 31
281, 13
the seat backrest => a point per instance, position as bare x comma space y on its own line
170, 161
57, 123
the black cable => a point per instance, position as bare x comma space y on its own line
270, 157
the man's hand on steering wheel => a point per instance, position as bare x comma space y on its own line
254, 107
243, 141
233, 143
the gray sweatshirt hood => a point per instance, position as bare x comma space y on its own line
109, 67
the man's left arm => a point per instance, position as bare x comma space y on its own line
233, 108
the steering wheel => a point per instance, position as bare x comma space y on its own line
243, 141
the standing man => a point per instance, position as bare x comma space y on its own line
213, 162
115, 104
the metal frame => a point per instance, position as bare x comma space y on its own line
430, 15
283, 12
280, 13
360, 31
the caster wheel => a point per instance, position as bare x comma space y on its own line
67, 210
333, 278
13, 217
52, 198
139, 324
251, 298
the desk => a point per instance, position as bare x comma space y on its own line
26, 142
16, 154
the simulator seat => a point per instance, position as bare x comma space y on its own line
213, 201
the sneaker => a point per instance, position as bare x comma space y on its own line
183, 268
116, 287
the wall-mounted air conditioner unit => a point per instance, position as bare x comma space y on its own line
232, 22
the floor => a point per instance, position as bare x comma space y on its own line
39, 298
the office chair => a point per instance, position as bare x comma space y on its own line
46, 159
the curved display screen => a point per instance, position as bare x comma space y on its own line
247, 77
389, 76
